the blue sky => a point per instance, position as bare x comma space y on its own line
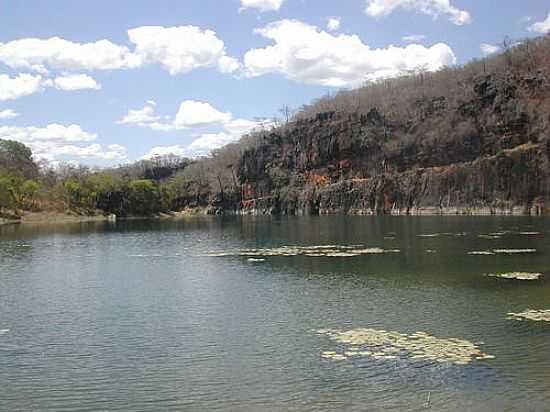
108, 82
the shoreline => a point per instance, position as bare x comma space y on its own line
57, 218
51, 218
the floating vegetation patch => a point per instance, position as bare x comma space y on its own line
343, 251
514, 251
516, 275
431, 235
145, 256
381, 344
481, 253
531, 314
490, 237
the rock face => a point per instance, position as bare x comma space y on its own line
487, 153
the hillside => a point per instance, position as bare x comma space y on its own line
468, 140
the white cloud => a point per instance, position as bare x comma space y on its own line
240, 127
181, 49
202, 146
303, 53
178, 49
8, 114
52, 132
434, 8
333, 23
113, 152
12, 88
414, 38
165, 151
193, 113
56, 53
22, 85
541, 27
55, 140
141, 117
262, 5
526, 19
71, 82
488, 49
205, 144
233, 130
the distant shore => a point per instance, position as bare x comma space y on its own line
52, 218
56, 218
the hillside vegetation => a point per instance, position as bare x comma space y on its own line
472, 139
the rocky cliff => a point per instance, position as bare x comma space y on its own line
478, 146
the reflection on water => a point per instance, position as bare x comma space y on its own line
224, 314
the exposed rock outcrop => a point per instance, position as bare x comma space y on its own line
487, 154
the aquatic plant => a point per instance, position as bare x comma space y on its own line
387, 345
516, 275
514, 251
344, 251
531, 314
490, 236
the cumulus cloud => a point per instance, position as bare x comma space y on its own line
304, 53
193, 113
55, 141
8, 114
434, 8
181, 49
240, 127
333, 23
56, 53
177, 49
95, 151
199, 114
414, 38
165, 151
541, 27
208, 142
22, 85
71, 82
141, 117
201, 146
488, 49
262, 5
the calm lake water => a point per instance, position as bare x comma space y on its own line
133, 317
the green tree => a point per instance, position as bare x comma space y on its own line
144, 198
73, 190
16, 157
29, 189
9, 192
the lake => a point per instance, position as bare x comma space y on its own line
275, 314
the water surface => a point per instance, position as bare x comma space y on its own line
134, 316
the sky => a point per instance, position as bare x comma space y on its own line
108, 82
